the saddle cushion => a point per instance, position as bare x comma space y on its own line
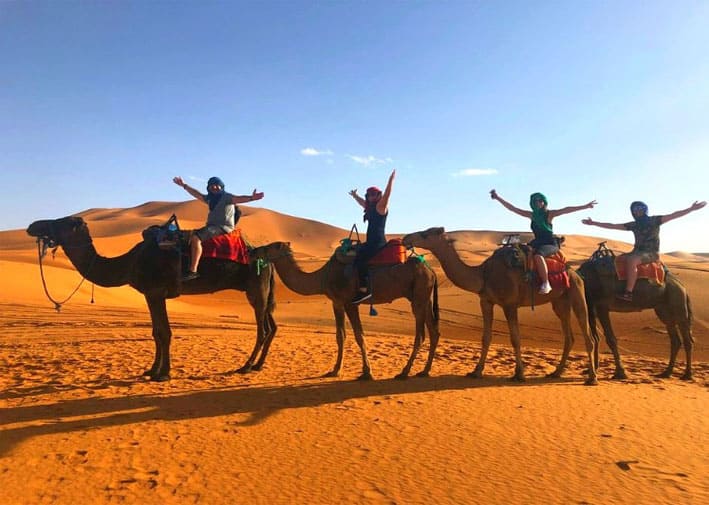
392, 253
556, 270
230, 246
654, 272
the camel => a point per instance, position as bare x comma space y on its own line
152, 271
498, 283
413, 280
669, 300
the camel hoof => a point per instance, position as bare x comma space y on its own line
149, 373
518, 378
620, 375
244, 369
475, 374
664, 375
402, 376
591, 382
257, 367
556, 374
366, 376
160, 378
687, 376
332, 373
423, 374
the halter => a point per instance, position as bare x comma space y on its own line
45, 243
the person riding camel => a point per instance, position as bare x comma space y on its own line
376, 210
646, 230
222, 218
544, 242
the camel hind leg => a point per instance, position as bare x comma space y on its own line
612, 342
420, 317
434, 334
353, 315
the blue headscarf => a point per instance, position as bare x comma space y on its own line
642, 206
213, 198
539, 216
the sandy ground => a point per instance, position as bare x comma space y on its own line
79, 424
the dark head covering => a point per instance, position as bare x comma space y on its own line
213, 198
639, 206
539, 216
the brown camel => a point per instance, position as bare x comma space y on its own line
669, 300
152, 271
413, 280
499, 283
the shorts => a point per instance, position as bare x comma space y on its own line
645, 257
208, 232
546, 250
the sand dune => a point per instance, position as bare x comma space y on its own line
78, 424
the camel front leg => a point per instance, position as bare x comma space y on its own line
486, 308
420, 317
270, 328
340, 333
162, 335
513, 326
563, 312
685, 329
353, 315
604, 318
434, 336
259, 305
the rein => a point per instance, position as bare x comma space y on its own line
43, 244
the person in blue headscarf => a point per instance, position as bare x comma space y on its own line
222, 218
544, 242
646, 230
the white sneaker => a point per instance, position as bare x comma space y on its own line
545, 289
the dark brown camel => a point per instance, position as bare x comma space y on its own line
152, 271
412, 280
497, 282
669, 300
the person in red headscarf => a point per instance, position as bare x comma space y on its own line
376, 209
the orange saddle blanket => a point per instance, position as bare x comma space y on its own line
556, 268
230, 246
392, 253
654, 272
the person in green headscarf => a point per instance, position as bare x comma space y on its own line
544, 242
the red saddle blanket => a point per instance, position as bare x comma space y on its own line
229, 246
556, 269
392, 253
653, 272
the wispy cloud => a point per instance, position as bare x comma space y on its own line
311, 151
474, 172
369, 160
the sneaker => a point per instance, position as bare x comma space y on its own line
626, 297
190, 276
361, 296
545, 289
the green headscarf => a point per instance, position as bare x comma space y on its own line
539, 216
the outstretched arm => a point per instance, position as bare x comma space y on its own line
383, 203
237, 199
610, 226
680, 213
199, 196
509, 206
358, 198
570, 209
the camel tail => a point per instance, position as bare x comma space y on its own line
436, 310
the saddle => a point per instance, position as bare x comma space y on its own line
521, 256
393, 253
654, 272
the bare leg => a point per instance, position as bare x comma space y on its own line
632, 265
196, 251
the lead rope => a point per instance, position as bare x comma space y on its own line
41, 251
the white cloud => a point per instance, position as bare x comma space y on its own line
473, 172
368, 160
311, 151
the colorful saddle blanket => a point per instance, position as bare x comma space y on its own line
230, 246
556, 268
654, 272
393, 253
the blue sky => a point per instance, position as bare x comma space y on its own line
102, 103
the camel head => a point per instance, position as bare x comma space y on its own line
56, 232
425, 239
272, 251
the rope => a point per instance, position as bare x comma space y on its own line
41, 251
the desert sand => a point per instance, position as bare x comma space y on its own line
79, 423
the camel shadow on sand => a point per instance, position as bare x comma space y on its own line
256, 402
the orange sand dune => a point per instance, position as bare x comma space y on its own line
78, 424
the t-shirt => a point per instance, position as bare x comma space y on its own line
647, 234
224, 214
